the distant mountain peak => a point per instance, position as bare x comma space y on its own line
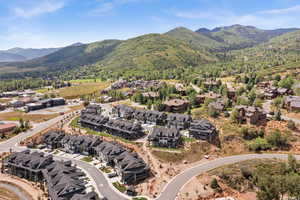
76, 44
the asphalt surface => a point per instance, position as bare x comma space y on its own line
173, 187
102, 184
169, 192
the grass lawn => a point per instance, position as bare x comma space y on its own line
119, 187
4, 100
43, 90
15, 116
76, 91
105, 170
87, 159
85, 81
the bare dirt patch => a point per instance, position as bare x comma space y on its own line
15, 116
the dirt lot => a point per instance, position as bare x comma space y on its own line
30, 189
76, 91
15, 116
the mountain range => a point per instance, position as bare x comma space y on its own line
177, 48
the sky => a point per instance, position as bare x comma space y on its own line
57, 23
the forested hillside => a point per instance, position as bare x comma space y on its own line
165, 55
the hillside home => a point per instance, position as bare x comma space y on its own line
123, 111
251, 115
178, 121
53, 139
203, 130
209, 95
176, 105
124, 129
107, 151
92, 121
292, 103
80, 144
165, 137
63, 180
27, 165
151, 95
131, 168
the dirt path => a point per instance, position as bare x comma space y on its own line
31, 191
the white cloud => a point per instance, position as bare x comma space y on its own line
104, 7
268, 19
42, 7
282, 11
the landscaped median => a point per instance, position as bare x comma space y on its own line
87, 159
119, 186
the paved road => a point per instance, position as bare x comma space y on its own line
173, 187
103, 186
170, 191
13, 142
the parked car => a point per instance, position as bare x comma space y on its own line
112, 175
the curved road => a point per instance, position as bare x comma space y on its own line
102, 184
169, 192
173, 187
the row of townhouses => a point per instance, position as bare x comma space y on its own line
122, 128
129, 166
199, 129
62, 180
172, 120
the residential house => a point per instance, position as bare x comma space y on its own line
218, 105
180, 89
176, 105
203, 130
150, 95
251, 115
292, 103
209, 95
7, 127
53, 139
210, 84
178, 121
165, 137
265, 84
231, 93
107, 151
92, 121
123, 111
131, 168
27, 165
64, 181
150, 116
80, 144
94, 109
16, 103
125, 129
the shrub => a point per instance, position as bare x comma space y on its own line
276, 139
249, 134
214, 184
291, 125
259, 144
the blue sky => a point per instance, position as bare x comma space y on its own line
54, 23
